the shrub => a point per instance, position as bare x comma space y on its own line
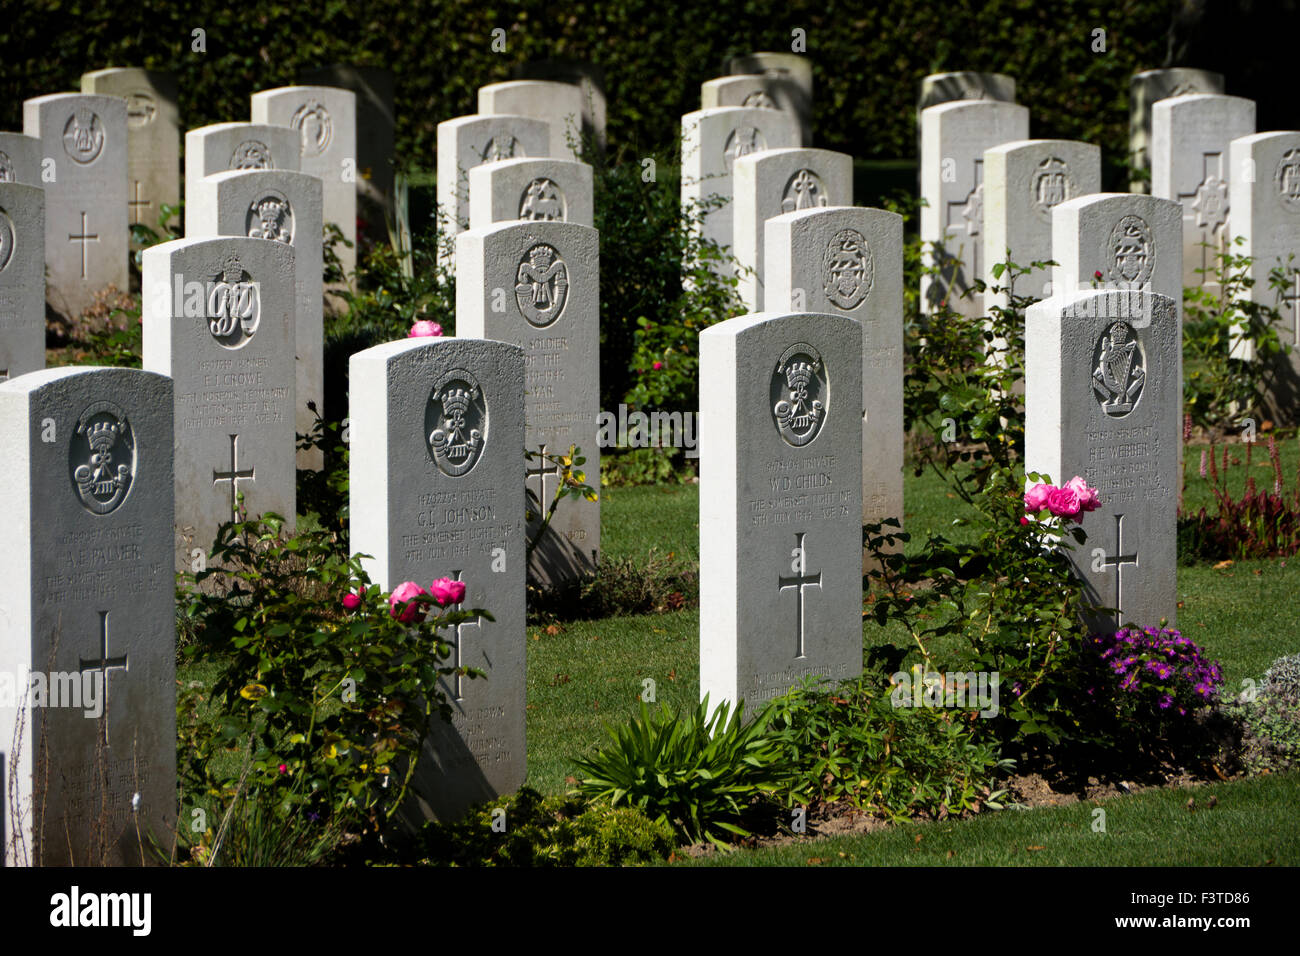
330, 705
556, 831
703, 775
1258, 524
1270, 723
849, 742
1219, 389
1155, 677
646, 584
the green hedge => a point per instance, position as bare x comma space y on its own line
868, 59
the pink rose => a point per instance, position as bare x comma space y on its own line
351, 601
1063, 502
658, 366
446, 591
1024, 520
1036, 497
424, 327
283, 769
1088, 498
401, 594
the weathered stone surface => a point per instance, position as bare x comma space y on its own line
780, 500
87, 632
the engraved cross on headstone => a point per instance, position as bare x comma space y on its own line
541, 472
801, 579
1206, 209
84, 239
136, 203
102, 665
1117, 561
477, 622
965, 218
234, 476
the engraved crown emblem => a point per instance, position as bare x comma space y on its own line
103, 435
798, 375
231, 270
540, 256
456, 402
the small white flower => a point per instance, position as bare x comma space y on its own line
135, 803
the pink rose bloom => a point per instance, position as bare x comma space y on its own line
1063, 502
1088, 499
1036, 497
446, 591
1024, 520
424, 327
401, 594
351, 601
658, 366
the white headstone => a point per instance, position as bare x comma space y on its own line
550, 190
780, 499
219, 319
794, 73
1103, 400
22, 279
588, 77
954, 137
325, 118
85, 205
90, 753
20, 159
939, 88
777, 181
1133, 241
283, 206
1189, 163
1023, 181
537, 285
560, 105
437, 491
153, 137
847, 260
1265, 199
224, 146
756, 90
1145, 89
373, 88
712, 140
464, 143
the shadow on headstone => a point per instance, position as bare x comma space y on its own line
376, 121
590, 77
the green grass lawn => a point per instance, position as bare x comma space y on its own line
1247, 827
588, 673
583, 674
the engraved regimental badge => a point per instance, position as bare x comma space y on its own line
804, 191
542, 285
1132, 252
234, 305
83, 136
251, 154
313, 123
542, 200
1051, 185
1287, 178
455, 422
270, 217
102, 457
742, 141
799, 394
6, 239
849, 271
1118, 370
7, 174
